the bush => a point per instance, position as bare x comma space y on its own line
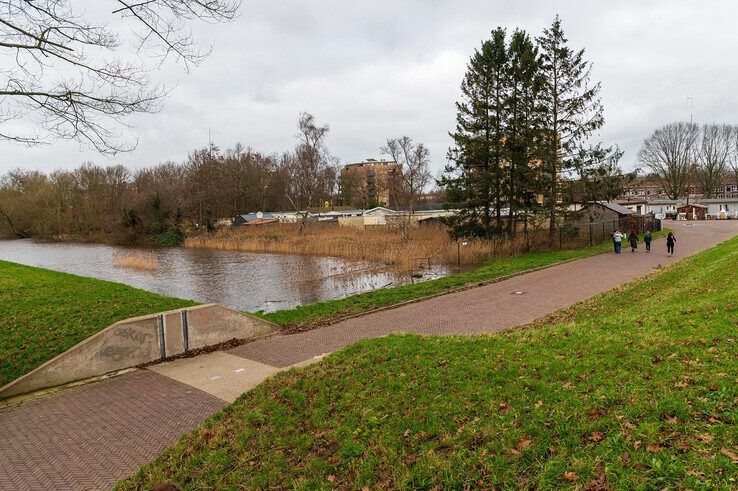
173, 236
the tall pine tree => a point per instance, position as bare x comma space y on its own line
572, 112
523, 115
475, 175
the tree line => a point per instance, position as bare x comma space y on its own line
686, 157
521, 150
159, 204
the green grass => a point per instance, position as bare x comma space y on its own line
43, 313
329, 311
634, 389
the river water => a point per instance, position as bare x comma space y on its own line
239, 280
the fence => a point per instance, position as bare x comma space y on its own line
573, 236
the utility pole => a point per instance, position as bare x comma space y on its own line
690, 100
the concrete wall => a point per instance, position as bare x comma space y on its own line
141, 340
356, 222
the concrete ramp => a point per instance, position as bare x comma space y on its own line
140, 340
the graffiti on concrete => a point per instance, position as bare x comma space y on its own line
117, 352
133, 335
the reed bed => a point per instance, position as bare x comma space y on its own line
139, 260
425, 245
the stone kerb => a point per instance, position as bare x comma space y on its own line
138, 341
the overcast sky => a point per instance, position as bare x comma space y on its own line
376, 69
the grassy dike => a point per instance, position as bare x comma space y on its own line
307, 316
43, 313
633, 389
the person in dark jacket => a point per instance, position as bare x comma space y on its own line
647, 240
633, 239
670, 241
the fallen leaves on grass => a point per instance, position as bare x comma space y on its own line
705, 437
570, 476
596, 436
523, 443
731, 455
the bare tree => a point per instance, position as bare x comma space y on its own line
415, 160
61, 70
734, 155
309, 169
713, 157
669, 153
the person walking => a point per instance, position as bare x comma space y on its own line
617, 241
647, 240
670, 241
633, 239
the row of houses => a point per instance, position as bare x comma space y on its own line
349, 216
692, 209
600, 211
650, 190
420, 214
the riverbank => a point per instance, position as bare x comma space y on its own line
310, 316
617, 392
43, 313
424, 245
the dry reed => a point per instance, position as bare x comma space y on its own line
426, 245
140, 260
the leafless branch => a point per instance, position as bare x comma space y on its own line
61, 70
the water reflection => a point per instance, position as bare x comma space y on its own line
239, 280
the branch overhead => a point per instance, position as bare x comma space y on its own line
63, 71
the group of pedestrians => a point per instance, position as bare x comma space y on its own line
632, 238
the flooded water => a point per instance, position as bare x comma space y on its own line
239, 280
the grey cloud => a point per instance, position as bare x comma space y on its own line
376, 69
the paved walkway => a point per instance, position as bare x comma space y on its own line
87, 437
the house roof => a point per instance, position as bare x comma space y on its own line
421, 207
337, 213
631, 202
377, 208
665, 201
695, 205
719, 200
250, 217
326, 209
620, 210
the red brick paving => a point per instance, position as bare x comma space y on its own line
90, 436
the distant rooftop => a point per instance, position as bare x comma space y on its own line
621, 210
371, 162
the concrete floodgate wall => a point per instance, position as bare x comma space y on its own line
140, 340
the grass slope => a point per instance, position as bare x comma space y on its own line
635, 389
43, 313
329, 311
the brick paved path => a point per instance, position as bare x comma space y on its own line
496, 306
88, 437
